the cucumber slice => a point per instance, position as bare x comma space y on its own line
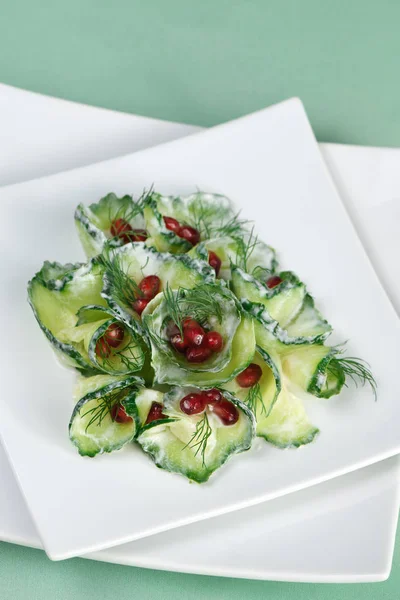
92, 429
127, 357
164, 240
261, 397
279, 412
258, 259
93, 223
56, 293
309, 323
196, 445
287, 312
313, 369
225, 248
144, 399
288, 425
237, 332
211, 214
128, 265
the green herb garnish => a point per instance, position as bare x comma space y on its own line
355, 368
198, 441
197, 303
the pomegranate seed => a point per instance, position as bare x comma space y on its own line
155, 413
192, 404
249, 376
193, 334
120, 227
188, 322
273, 281
198, 354
226, 411
214, 341
103, 349
212, 396
179, 343
150, 286
139, 305
172, 224
138, 235
214, 261
118, 414
190, 234
114, 335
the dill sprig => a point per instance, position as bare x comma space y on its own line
197, 303
246, 249
198, 441
253, 397
129, 355
174, 308
131, 209
200, 303
125, 288
356, 368
103, 408
210, 221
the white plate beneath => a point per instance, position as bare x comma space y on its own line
279, 540
93, 181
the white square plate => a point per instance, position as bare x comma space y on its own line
231, 159
305, 519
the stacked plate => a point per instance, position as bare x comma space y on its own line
252, 520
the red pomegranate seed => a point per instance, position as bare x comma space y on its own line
249, 376
120, 227
172, 224
212, 396
103, 349
193, 333
178, 342
155, 413
118, 414
138, 235
190, 234
214, 261
189, 322
198, 354
192, 404
226, 411
273, 281
150, 286
214, 341
139, 305
114, 335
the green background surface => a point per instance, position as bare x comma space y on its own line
203, 62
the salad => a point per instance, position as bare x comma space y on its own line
187, 338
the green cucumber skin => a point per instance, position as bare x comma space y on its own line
93, 238
45, 277
205, 274
314, 387
301, 441
128, 402
199, 475
168, 371
168, 241
93, 356
267, 358
259, 312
